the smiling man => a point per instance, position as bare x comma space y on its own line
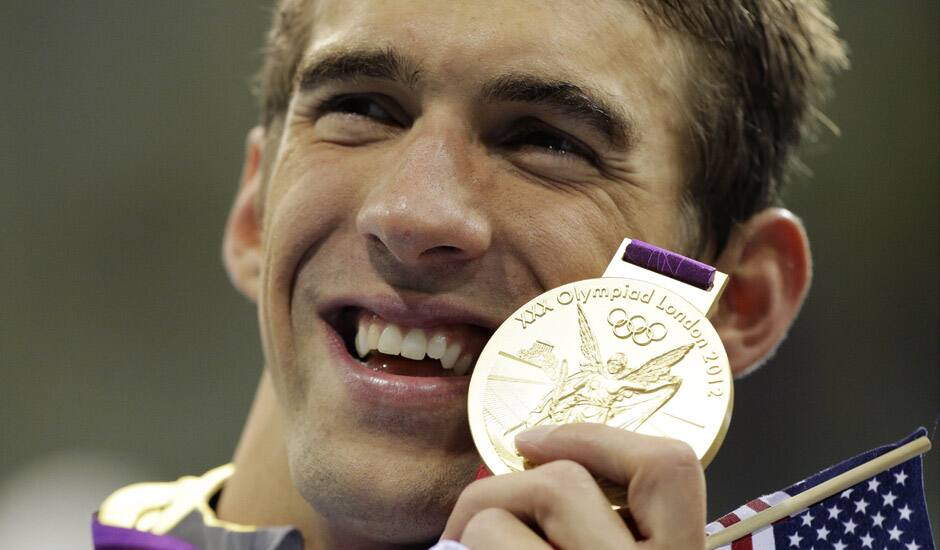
421, 170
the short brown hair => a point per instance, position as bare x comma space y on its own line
767, 67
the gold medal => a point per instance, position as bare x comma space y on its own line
633, 349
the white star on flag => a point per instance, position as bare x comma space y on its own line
900, 477
889, 498
906, 513
861, 506
895, 533
850, 526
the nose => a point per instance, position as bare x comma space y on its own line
427, 209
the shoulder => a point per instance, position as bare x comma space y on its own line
159, 507
178, 515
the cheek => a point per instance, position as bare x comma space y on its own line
544, 221
312, 184
308, 200
313, 193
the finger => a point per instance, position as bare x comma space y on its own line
664, 479
496, 528
561, 497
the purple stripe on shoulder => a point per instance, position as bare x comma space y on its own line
108, 537
670, 264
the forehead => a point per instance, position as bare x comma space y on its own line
607, 44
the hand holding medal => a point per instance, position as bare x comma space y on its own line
568, 392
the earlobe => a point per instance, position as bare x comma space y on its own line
768, 260
241, 246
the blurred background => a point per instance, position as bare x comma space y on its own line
126, 355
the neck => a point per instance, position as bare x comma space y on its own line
261, 492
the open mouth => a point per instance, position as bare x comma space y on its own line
381, 345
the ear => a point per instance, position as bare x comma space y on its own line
770, 268
241, 245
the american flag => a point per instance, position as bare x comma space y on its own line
886, 511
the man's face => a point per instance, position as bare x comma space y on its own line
441, 164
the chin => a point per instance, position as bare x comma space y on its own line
376, 492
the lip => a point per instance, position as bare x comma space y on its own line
373, 387
377, 388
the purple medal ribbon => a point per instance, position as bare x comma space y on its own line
109, 537
670, 264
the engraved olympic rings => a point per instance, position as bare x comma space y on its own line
635, 328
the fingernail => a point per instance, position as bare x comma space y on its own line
534, 435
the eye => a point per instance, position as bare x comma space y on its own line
554, 142
365, 106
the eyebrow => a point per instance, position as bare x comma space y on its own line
345, 65
581, 102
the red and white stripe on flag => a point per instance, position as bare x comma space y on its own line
762, 539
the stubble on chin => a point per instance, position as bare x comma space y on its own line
392, 497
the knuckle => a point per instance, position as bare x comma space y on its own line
669, 461
567, 470
544, 490
562, 474
673, 454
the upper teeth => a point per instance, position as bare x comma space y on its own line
412, 343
